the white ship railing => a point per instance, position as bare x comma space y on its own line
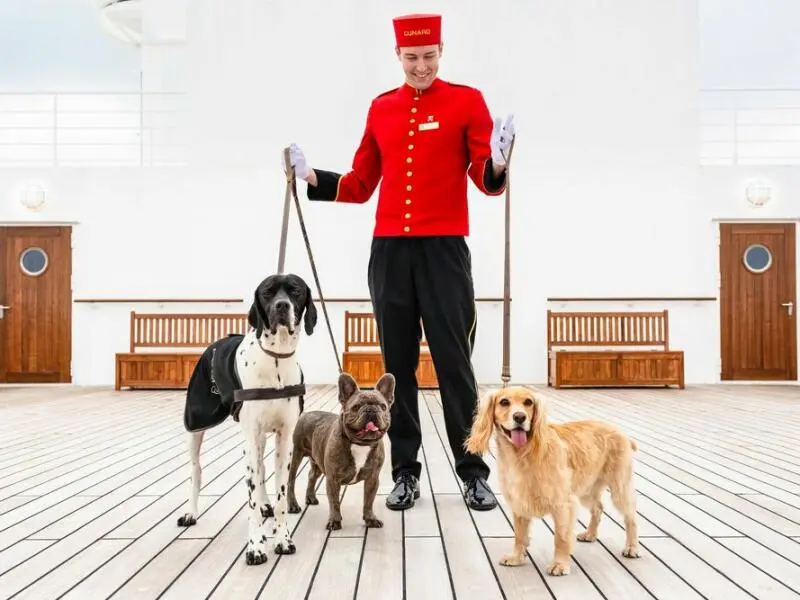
46, 129
750, 126
143, 129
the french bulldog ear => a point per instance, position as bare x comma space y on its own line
310, 318
347, 387
256, 317
385, 386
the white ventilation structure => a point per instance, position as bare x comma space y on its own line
121, 19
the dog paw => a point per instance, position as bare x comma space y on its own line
312, 500
294, 507
586, 537
255, 557
373, 522
285, 547
334, 524
631, 552
558, 568
256, 553
511, 560
187, 520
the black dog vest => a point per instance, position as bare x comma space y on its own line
215, 388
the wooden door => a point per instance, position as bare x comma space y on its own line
758, 304
35, 285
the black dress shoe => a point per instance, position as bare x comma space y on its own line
478, 494
406, 490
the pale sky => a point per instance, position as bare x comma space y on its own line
56, 44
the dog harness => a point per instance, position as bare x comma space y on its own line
215, 388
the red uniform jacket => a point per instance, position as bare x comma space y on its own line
423, 144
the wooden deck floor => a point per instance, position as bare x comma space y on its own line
92, 482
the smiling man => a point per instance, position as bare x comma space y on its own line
423, 139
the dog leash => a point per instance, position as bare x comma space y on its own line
291, 191
506, 370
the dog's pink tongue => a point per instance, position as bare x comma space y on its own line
518, 437
371, 427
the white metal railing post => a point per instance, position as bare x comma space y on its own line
141, 124
55, 129
735, 132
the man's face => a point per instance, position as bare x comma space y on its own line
420, 64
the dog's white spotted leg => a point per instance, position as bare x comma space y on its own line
283, 462
260, 509
194, 441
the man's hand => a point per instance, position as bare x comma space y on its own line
298, 160
500, 142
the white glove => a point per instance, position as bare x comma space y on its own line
298, 160
501, 138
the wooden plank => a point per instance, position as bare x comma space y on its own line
694, 571
381, 573
427, 574
338, 569
62, 578
157, 574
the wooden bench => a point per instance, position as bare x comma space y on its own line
164, 348
362, 353
625, 359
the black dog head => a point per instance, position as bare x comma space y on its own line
282, 300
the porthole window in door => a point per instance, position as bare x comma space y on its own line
757, 258
33, 261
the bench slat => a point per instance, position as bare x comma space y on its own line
608, 328
183, 330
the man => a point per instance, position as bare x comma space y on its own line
423, 139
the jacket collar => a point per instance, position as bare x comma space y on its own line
410, 91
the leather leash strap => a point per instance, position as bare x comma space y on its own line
506, 371
291, 191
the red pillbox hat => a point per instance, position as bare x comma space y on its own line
417, 30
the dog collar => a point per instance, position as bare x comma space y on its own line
274, 354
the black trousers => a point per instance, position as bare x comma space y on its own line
428, 278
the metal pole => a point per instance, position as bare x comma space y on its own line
287, 203
506, 371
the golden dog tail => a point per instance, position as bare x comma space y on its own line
634, 446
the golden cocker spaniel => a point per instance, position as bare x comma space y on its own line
544, 468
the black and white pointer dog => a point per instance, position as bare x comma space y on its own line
257, 379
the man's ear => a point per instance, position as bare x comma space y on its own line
310, 318
256, 317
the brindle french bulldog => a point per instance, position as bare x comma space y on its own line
347, 447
